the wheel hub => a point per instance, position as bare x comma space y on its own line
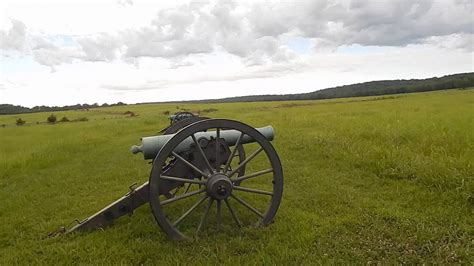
219, 186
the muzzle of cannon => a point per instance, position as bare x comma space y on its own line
199, 163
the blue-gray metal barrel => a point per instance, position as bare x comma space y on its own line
152, 145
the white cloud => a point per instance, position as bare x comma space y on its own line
254, 31
125, 2
453, 41
14, 38
103, 47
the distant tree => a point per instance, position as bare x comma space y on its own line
51, 119
118, 104
20, 122
64, 119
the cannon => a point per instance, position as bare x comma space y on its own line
197, 163
180, 116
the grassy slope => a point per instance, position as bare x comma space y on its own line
366, 179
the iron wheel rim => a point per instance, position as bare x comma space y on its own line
154, 181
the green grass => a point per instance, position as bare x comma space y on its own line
374, 179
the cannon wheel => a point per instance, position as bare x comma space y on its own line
219, 186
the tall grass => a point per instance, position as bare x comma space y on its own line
369, 179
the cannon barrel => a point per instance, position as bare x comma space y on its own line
152, 145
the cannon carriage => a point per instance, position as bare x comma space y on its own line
204, 172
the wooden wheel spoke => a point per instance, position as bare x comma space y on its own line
252, 175
180, 219
218, 136
180, 197
184, 180
248, 206
218, 214
253, 190
232, 155
206, 161
234, 215
189, 164
248, 159
204, 217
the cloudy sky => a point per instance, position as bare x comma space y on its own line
68, 52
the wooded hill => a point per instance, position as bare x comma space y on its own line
372, 88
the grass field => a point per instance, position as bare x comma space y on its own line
375, 179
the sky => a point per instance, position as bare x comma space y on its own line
68, 52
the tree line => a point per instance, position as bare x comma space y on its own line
16, 109
372, 88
